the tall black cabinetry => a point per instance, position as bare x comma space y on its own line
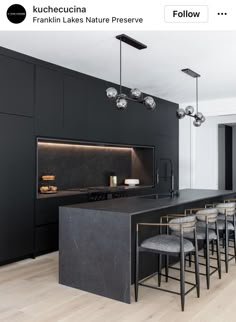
17, 158
16, 86
16, 187
48, 102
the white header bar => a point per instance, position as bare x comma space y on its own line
121, 15
186, 14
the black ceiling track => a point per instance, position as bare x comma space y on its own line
131, 41
190, 72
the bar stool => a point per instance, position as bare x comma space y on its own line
227, 214
206, 220
170, 245
226, 226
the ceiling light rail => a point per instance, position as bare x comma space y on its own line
135, 94
199, 118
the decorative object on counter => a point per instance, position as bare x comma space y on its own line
47, 184
199, 118
135, 94
132, 182
113, 180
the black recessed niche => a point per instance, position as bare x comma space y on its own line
80, 164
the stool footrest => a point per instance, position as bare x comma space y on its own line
169, 291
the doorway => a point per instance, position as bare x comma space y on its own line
226, 156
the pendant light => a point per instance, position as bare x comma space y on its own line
199, 118
135, 94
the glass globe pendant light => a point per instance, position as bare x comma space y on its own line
112, 93
149, 102
197, 123
199, 118
189, 110
121, 103
135, 94
180, 113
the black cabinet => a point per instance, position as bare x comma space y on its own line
49, 102
16, 86
46, 239
46, 221
17, 189
76, 107
105, 121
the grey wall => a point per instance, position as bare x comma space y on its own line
143, 165
83, 167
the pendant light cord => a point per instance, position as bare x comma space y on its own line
197, 94
120, 66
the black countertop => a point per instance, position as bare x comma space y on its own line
142, 204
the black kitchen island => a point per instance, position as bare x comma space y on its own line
97, 240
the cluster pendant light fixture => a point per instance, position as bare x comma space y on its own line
199, 118
136, 95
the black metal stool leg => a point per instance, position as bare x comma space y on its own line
207, 258
167, 267
136, 270
212, 247
234, 238
204, 250
226, 246
159, 269
197, 275
218, 252
182, 275
182, 284
223, 240
190, 259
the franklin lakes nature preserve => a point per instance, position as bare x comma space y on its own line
106, 20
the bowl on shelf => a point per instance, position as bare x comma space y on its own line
48, 189
48, 177
132, 182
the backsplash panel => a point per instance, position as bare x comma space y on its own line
78, 166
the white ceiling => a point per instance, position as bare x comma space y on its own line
155, 70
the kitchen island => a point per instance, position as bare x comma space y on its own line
97, 239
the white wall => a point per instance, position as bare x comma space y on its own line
219, 107
185, 153
198, 147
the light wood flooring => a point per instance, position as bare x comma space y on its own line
29, 292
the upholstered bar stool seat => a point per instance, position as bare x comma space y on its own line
229, 218
167, 243
201, 233
221, 225
228, 207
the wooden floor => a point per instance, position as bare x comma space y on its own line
29, 292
